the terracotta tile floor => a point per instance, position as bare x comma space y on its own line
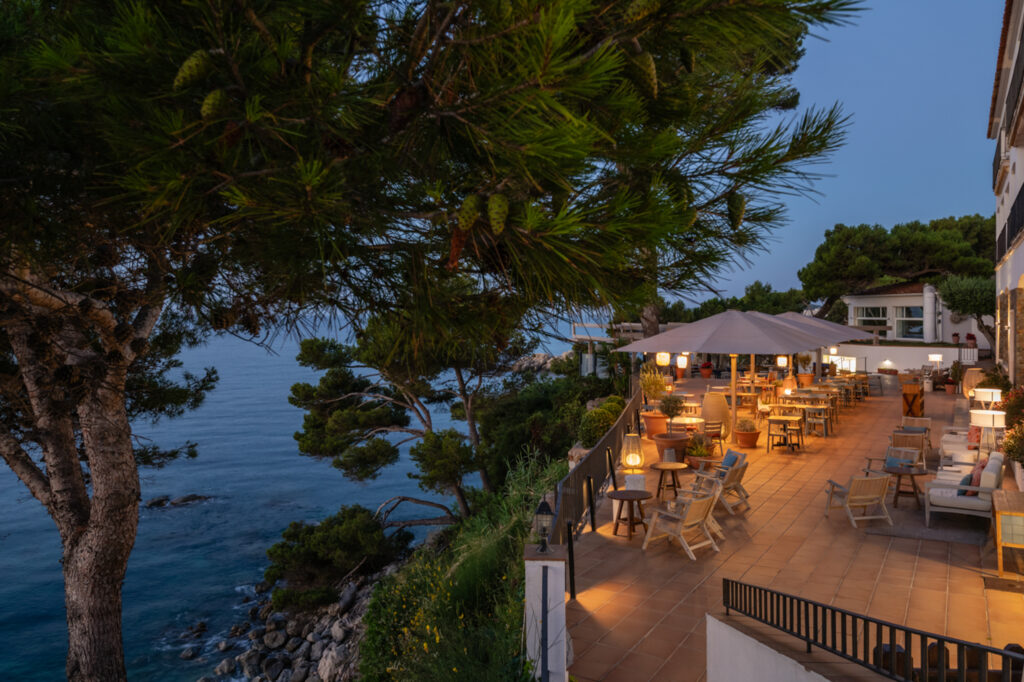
639, 615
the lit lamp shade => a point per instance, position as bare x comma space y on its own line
935, 357
632, 452
782, 360
682, 360
787, 391
662, 359
988, 395
833, 350
988, 419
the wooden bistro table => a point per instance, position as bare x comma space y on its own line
630, 498
900, 473
689, 422
1008, 506
781, 419
671, 481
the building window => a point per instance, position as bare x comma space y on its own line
872, 316
910, 322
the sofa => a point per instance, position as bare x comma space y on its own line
943, 494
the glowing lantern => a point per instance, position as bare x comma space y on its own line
833, 350
682, 360
662, 359
782, 360
632, 453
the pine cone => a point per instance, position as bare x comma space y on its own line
193, 69
497, 212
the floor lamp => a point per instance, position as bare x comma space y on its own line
989, 421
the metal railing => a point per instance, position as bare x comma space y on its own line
997, 159
894, 651
578, 490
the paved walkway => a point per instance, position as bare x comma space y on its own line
640, 615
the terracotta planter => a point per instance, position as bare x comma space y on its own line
950, 388
805, 379
680, 373
676, 440
706, 373
956, 338
654, 423
972, 343
747, 439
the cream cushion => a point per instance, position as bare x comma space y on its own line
947, 497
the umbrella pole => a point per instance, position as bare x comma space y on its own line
732, 389
753, 366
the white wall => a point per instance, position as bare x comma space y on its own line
871, 358
946, 327
734, 656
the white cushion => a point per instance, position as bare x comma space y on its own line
947, 497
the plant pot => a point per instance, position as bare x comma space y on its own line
956, 338
950, 388
706, 373
805, 379
972, 343
747, 439
1018, 474
680, 373
654, 423
676, 440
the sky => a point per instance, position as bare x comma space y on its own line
915, 77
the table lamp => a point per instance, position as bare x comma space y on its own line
988, 395
988, 420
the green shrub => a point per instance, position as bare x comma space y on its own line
617, 401
746, 425
1013, 443
457, 613
1013, 405
996, 378
312, 559
594, 425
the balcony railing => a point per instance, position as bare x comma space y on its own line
1014, 226
891, 650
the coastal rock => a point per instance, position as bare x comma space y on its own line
313, 677
300, 671
262, 586
275, 622
157, 502
250, 663
302, 653
293, 644
338, 632
285, 676
197, 630
313, 636
317, 651
188, 499
189, 653
254, 613
225, 667
275, 639
223, 645
307, 629
239, 629
295, 626
348, 598
273, 666
257, 633
330, 664
266, 611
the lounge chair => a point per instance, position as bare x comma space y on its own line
731, 482
692, 518
862, 492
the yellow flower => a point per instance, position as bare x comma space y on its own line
455, 670
424, 646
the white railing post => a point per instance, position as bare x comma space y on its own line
547, 637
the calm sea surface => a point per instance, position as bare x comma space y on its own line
193, 563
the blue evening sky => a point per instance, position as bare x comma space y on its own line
915, 76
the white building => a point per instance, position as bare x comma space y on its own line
912, 311
1006, 127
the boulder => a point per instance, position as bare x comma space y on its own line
300, 671
262, 586
338, 632
266, 611
257, 633
157, 502
293, 644
275, 639
254, 613
225, 667
285, 676
329, 666
317, 651
188, 499
313, 636
189, 653
250, 663
302, 653
347, 598
272, 666
295, 626
239, 629
223, 645
313, 677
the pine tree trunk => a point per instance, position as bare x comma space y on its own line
95, 555
649, 320
460, 498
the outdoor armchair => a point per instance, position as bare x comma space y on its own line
893, 457
860, 492
691, 519
732, 493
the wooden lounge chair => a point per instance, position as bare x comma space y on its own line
733, 493
861, 492
692, 519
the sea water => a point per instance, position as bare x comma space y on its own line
195, 563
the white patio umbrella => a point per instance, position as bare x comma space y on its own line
733, 332
830, 331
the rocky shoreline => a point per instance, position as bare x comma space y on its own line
321, 646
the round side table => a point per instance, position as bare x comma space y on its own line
670, 482
630, 498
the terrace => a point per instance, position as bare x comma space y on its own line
640, 615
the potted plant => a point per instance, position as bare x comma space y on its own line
956, 338
652, 382
698, 451
1013, 448
972, 341
671, 406
747, 433
956, 374
949, 385
705, 369
803, 361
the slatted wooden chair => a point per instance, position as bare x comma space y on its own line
860, 492
692, 519
731, 481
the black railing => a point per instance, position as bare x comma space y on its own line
894, 651
997, 159
1000, 244
1013, 91
575, 494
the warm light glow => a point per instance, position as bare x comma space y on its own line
833, 350
662, 359
632, 451
782, 360
787, 391
887, 361
682, 360
988, 395
988, 419
935, 357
